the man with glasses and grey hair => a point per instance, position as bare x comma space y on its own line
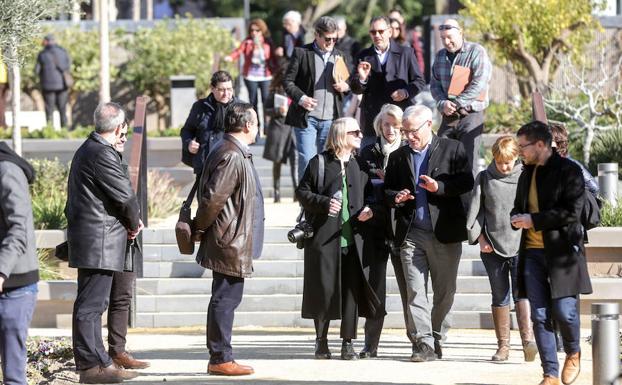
386, 73
424, 181
462, 109
317, 97
102, 214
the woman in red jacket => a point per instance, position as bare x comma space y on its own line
258, 52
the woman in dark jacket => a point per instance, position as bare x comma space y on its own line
280, 140
205, 124
335, 283
378, 244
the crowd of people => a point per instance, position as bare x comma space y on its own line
383, 186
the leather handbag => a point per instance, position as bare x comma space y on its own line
183, 228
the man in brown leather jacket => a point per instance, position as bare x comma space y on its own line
229, 225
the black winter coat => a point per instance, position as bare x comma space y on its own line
561, 192
101, 207
280, 139
51, 62
402, 72
200, 127
449, 166
300, 80
321, 297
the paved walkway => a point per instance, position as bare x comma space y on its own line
285, 356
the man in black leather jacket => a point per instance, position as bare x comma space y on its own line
102, 213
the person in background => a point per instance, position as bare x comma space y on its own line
52, 62
4, 90
204, 126
258, 52
335, 285
293, 34
346, 43
280, 145
560, 141
397, 32
378, 242
552, 268
487, 224
19, 266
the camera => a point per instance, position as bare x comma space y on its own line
303, 230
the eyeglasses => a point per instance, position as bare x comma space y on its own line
412, 132
377, 31
523, 146
445, 27
123, 135
220, 89
330, 39
354, 133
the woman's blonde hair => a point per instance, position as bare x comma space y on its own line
505, 149
387, 109
337, 134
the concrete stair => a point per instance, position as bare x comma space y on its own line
175, 290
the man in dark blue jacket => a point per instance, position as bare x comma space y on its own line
386, 73
52, 62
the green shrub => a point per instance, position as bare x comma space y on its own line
48, 265
166, 133
49, 193
611, 216
162, 195
607, 148
506, 118
49, 132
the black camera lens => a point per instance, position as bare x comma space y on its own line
295, 235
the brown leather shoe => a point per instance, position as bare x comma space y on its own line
572, 368
100, 375
230, 368
126, 361
550, 380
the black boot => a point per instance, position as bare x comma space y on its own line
276, 177
321, 349
347, 350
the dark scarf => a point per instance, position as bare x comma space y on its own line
6, 154
219, 112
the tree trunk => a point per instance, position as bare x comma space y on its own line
369, 11
15, 97
587, 144
104, 53
75, 12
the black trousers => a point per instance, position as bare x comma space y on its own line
468, 131
351, 289
91, 302
56, 99
119, 310
226, 296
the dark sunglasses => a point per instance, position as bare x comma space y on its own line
354, 133
377, 31
329, 39
446, 27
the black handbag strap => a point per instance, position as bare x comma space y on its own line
320, 183
193, 190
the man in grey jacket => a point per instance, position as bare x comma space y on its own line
102, 213
19, 267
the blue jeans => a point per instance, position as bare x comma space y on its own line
310, 140
16, 308
501, 273
544, 309
261, 86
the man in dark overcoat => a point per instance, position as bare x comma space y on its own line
552, 270
386, 73
424, 181
102, 214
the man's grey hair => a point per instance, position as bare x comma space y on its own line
378, 18
325, 24
420, 112
341, 20
294, 16
107, 117
237, 116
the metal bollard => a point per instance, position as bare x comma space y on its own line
608, 182
605, 343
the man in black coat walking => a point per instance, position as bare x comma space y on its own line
424, 181
386, 73
102, 214
552, 270
52, 62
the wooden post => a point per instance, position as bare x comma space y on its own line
537, 107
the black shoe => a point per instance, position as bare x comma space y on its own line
368, 352
347, 351
321, 349
422, 352
438, 350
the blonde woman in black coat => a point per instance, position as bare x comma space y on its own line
335, 283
